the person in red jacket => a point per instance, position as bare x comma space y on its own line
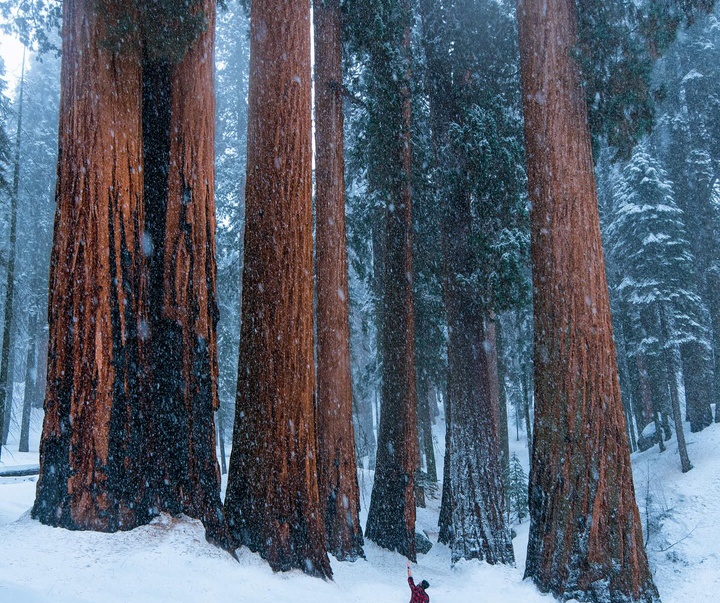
418, 592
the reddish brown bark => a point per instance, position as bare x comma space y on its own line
391, 517
337, 471
92, 438
585, 532
179, 158
272, 501
125, 455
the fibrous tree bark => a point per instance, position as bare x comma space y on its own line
272, 502
92, 442
391, 517
585, 532
476, 493
337, 471
178, 130
129, 428
497, 388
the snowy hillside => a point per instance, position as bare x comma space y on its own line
169, 560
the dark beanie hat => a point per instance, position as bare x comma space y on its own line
425, 585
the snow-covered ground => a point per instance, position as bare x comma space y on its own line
169, 560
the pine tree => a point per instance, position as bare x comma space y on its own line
5, 373
684, 144
580, 459
231, 74
272, 501
648, 239
36, 205
516, 490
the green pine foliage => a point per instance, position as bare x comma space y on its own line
167, 27
516, 491
650, 249
484, 151
232, 53
617, 47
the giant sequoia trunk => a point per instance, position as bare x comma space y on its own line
272, 500
179, 129
129, 426
338, 484
391, 517
585, 532
92, 450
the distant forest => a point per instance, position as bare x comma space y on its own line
309, 232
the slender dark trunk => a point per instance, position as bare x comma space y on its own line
6, 372
31, 364
672, 365
425, 428
642, 403
446, 534
221, 438
697, 369
713, 298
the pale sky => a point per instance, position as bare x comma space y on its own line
11, 51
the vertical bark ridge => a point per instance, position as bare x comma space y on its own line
472, 518
90, 476
585, 532
189, 305
272, 502
337, 471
